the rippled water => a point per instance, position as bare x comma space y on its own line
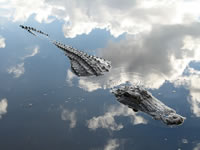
43, 105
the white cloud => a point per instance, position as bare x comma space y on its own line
35, 51
21, 10
107, 121
112, 144
67, 115
192, 82
17, 70
184, 141
197, 147
149, 59
3, 107
88, 86
70, 76
2, 42
132, 16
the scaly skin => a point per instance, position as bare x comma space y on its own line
82, 64
141, 100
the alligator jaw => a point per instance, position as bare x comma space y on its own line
141, 100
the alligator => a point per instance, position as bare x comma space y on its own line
82, 64
139, 99
31, 30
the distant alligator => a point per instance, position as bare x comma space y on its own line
141, 100
82, 64
31, 30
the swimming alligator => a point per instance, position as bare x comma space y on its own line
140, 99
31, 30
82, 64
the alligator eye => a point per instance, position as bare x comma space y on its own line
126, 94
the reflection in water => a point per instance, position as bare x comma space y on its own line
184, 141
19, 69
112, 144
107, 121
67, 115
2, 42
133, 16
192, 82
197, 147
168, 39
3, 107
151, 62
35, 51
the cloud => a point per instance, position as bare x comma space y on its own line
70, 116
70, 76
35, 51
17, 70
150, 58
192, 83
21, 10
3, 107
107, 121
112, 144
132, 16
88, 86
197, 147
2, 42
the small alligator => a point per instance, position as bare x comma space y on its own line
31, 30
139, 99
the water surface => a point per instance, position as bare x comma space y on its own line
43, 105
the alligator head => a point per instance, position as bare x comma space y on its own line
140, 99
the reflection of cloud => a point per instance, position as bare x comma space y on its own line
70, 116
107, 121
88, 86
112, 144
69, 77
149, 59
192, 82
184, 141
132, 16
2, 42
3, 107
197, 147
17, 70
35, 51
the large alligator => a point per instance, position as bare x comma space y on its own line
82, 64
140, 99
136, 98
